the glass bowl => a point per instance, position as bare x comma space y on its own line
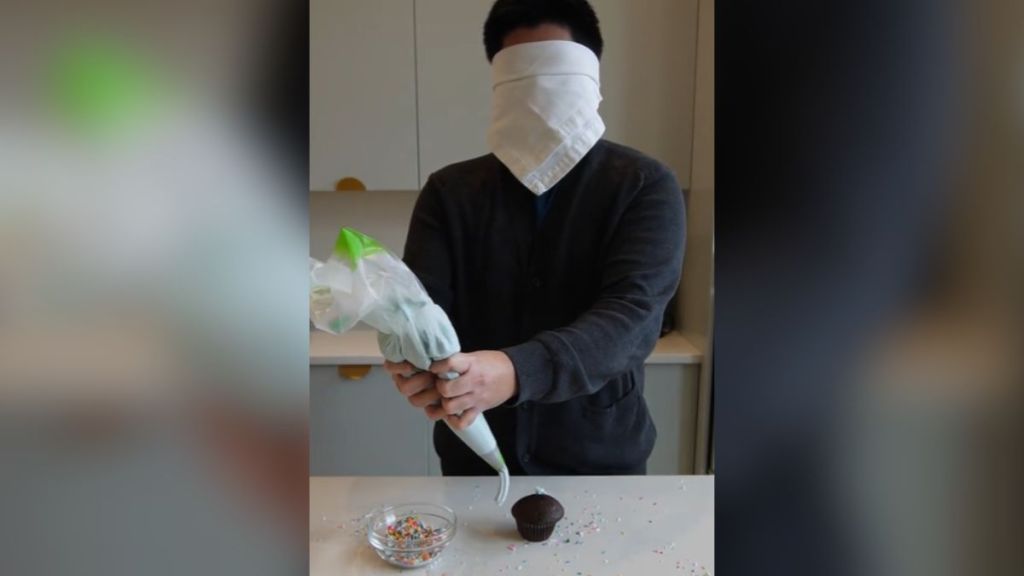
411, 535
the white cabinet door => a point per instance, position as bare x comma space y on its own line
362, 94
671, 394
454, 81
364, 427
647, 77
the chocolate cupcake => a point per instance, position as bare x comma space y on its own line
536, 516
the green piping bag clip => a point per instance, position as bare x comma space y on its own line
354, 246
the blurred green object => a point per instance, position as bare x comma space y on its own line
100, 86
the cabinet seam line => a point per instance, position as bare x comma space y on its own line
416, 91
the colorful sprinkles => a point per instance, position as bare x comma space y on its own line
410, 533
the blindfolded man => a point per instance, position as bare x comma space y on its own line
555, 257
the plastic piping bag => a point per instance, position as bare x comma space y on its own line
362, 281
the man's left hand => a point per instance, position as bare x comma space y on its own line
487, 379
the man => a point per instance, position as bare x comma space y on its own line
554, 256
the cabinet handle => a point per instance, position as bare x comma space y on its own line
349, 184
354, 371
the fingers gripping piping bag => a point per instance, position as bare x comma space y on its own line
362, 281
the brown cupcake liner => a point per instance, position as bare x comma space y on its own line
535, 532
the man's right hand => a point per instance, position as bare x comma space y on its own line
419, 388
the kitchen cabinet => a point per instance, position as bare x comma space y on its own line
363, 427
362, 94
671, 394
454, 82
360, 427
647, 77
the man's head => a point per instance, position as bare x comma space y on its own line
517, 21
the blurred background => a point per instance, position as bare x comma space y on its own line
153, 236
869, 287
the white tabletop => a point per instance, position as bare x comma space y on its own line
612, 525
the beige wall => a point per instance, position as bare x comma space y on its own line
696, 293
696, 289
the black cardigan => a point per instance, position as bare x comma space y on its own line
575, 300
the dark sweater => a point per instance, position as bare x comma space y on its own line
576, 300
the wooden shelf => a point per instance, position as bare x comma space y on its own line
360, 347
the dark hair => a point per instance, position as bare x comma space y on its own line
576, 15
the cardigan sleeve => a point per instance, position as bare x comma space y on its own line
640, 275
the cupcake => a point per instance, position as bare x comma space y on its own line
536, 516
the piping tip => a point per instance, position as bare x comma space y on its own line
503, 487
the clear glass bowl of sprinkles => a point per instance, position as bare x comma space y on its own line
411, 535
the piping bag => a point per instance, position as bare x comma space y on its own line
363, 281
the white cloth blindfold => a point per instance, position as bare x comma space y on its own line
544, 115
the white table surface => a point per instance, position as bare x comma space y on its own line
614, 525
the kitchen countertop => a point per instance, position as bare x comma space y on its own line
360, 347
613, 525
